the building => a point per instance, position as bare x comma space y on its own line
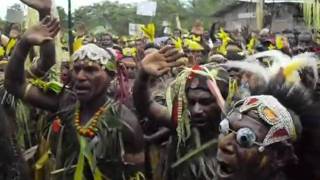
278, 15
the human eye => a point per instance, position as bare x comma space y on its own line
91, 69
191, 102
206, 101
76, 68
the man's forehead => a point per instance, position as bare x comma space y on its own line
199, 93
239, 118
106, 37
194, 83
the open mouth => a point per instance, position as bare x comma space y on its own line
82, 90
224, 170
198, 122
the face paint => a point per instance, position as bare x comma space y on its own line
252, 125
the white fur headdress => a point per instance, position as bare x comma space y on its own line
93, 53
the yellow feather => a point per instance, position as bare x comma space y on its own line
289, 70
193, 45
225, 38
251, 45
149, 31
279, 42
177, 43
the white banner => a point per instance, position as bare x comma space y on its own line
135, 29
14, 16
147, 8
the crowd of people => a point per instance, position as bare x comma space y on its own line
217, 104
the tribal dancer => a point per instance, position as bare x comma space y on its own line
268, 134
195, 102
92, 136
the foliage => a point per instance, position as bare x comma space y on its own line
62, 16
16, 7
115, 17
2, 24
311, 12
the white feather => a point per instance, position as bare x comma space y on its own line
281, 60
276, 56
308, 60
250, 67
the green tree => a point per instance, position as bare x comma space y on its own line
115, 17
63, 17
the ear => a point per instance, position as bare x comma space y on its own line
284, 154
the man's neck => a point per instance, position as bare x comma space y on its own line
88, 109
207, 133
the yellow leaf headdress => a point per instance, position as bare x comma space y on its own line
251, 45
193, 45
225, 38
129, 52
149, 31
178, 43
279, 42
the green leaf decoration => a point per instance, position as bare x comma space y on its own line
111, 66
55, 86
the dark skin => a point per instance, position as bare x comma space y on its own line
41, 33
157, 136
106, 41
154, 64
47, 49
196, 57
15, 81
82, 76
204, 110
130, 66
246, 163
11, 157
202, 105
89, 81
65, 75
140, 45
90, 86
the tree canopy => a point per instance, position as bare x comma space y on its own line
115, 17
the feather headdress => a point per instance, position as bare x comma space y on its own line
279, 61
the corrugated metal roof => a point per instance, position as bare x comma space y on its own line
275, 1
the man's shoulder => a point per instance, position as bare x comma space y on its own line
127, 116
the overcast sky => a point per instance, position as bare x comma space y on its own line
64, 3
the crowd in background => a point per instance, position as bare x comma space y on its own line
205, 104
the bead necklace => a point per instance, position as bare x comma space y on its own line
91, 129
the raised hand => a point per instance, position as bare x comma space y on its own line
46, 30
160, 62
42, 6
